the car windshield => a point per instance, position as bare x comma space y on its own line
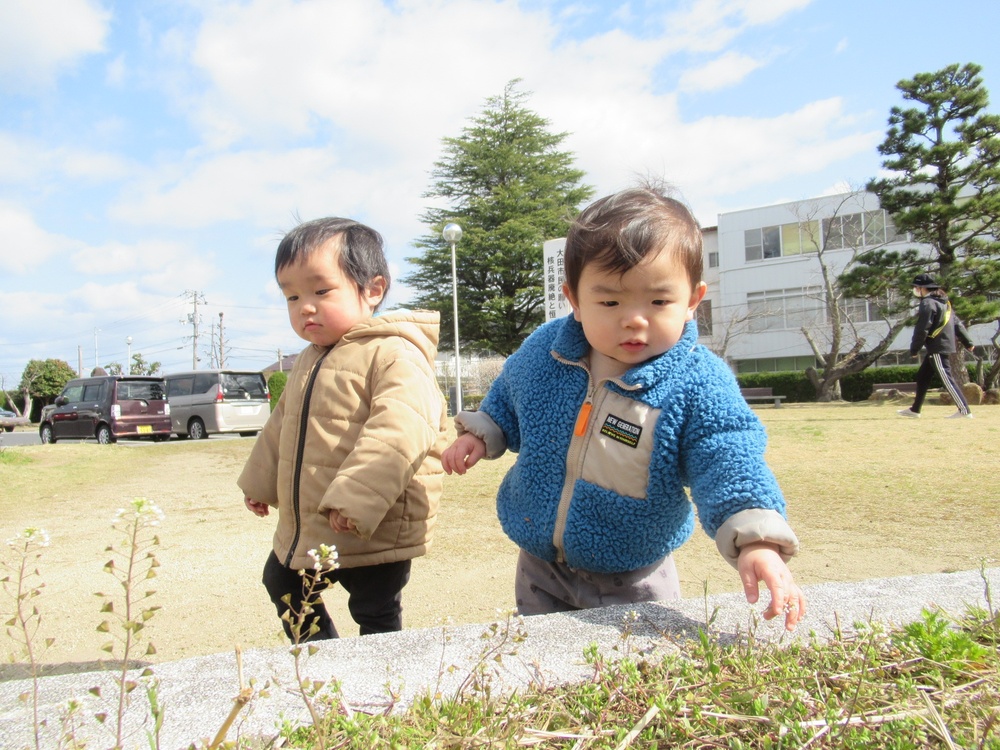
145, 390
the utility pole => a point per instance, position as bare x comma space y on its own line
194, 319
222, 347
214, 358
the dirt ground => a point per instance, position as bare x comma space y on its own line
870, 496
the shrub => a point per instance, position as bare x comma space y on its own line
276, 385
793, 385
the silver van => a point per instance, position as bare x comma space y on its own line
207, 402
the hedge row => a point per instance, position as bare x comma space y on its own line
796, 388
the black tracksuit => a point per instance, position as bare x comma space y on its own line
938, 330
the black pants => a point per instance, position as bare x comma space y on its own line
940, 365
374, 597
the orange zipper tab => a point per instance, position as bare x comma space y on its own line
582, 418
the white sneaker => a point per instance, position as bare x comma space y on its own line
959, 415
909, 413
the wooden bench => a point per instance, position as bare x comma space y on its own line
761, 394
901, 387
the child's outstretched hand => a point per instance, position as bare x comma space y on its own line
258, 509
463, 454
760, 561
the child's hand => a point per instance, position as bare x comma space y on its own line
760, 561
341, 523
463, 454
258, 509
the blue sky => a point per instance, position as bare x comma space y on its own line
153, 149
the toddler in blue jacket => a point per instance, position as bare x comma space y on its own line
614, 411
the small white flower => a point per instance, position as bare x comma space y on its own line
33, 535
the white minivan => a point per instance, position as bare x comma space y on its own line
207, 402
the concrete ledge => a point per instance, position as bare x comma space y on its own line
197, 694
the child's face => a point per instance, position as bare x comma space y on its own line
638, 315
323, 302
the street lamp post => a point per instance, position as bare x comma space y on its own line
129, 361
452, 234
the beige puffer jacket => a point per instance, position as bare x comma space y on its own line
359, 428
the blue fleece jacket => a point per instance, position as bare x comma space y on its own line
704, 437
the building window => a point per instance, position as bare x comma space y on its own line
780, 241
865, 229
713, 260
703, 316
771, 237
860, 311
783, 309
799, 238
775, 364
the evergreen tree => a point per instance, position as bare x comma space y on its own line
510, 188
943, 156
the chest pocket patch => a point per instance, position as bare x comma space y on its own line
620, 445
624, 432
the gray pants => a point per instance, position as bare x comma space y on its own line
542, 587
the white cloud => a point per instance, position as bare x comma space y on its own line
727, 70
404, 78
27, 160
25, 244
40, 39
394, 78
159, 266
758, 12
264, 187
714, 157
111, 259
710, 25
115, 71
770, 149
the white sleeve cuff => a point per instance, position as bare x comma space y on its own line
755, 525
483, 427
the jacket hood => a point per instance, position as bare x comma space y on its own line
419, 327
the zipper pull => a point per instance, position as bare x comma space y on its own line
583, 418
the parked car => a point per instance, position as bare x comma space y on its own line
108, 407
208, 402
9, 420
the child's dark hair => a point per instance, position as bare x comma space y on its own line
619, 231
361, 253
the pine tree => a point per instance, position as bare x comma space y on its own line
943, 156
945, 159
509, 186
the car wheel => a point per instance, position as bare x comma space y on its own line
9, 429
196, 429
46, 435
104, 436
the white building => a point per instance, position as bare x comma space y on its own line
764, 281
